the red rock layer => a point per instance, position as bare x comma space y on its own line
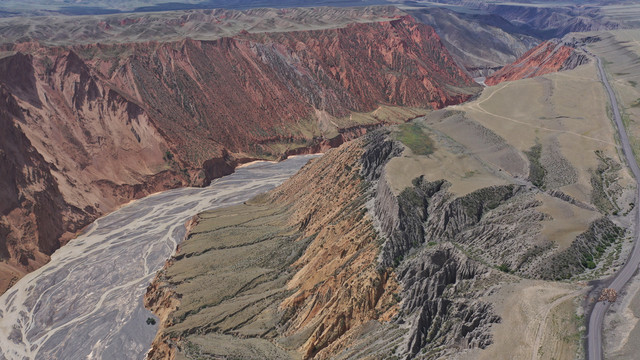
71, 149
88, 128
247, 92
545, 58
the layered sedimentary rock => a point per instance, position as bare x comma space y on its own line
91, 127
549, 56
72, 149
480, 43
307, 281
302, 261
554, 21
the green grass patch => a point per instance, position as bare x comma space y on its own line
416, 139
633, 83
504, 268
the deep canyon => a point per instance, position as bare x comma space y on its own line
87, 301
160, 197
136, 107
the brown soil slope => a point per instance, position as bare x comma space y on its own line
91, 127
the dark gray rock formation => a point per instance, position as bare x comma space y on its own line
436, 284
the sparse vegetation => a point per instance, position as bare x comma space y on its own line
537, 172
47, 63
605, 189
504, 268
585, 253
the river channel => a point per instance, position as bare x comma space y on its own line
86, 303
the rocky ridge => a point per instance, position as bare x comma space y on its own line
442, 255
372, 275
335, 287
549, 56
324, 281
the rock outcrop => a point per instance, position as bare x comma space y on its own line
440, 314
481, 43
553, 22
314, 279
88, 128
550, 56
285, 89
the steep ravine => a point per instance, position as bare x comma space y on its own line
89, 128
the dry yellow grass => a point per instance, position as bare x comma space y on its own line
628, 14
383, 114
622, 325
566, 114
465, 172
620, 51
568, 221
567, 108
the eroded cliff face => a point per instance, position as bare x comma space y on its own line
313, 250
549, 56
258, 94
448, 248
73, 149
88, 128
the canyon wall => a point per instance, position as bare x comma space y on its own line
296, 272
88, 128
